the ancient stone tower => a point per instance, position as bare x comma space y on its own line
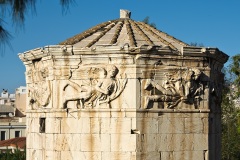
123, 90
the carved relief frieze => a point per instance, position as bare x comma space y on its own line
96, 85
62, 72
178, 86
216, 86
39, 89
40, 93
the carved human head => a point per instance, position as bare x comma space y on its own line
167, 84
112, 71
197, 73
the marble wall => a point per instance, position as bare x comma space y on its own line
119, 104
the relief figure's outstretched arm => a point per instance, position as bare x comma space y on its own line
73, 84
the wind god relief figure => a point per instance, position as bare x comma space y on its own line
39, 89
192, 86
182, 87
168, 90
103, 89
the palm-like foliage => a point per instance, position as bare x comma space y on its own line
17, 9
4, 37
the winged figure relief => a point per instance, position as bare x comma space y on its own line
40, 93
99, 85
39, 90
182, 86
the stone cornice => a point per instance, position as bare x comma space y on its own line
63, 50
214, 53
68, 50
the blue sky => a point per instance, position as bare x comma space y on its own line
214, 23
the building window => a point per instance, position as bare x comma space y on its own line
3, 135
42, 125
17, 133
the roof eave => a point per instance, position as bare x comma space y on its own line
214, 53
67, 50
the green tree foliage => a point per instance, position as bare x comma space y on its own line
230, 126
231, 113
147, 21
16, 155
18, 9
235, 70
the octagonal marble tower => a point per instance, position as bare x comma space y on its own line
123, 90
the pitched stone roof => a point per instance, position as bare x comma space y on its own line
123, 31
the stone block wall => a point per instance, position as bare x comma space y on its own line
119, 134
82, 134
114, 103
173, 135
